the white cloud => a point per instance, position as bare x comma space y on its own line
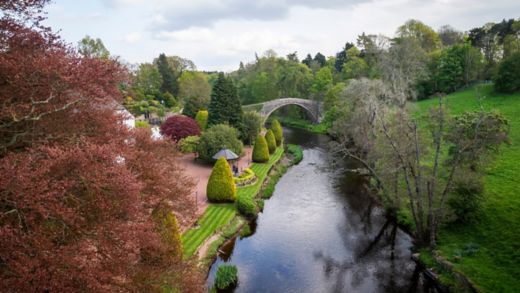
132, 38
218, 34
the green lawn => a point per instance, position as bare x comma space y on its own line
214, 218
217, 216
261, 171
496, 265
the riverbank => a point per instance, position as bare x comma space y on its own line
487, 250
320, 128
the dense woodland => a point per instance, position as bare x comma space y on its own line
83, 207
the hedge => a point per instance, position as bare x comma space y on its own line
277, 131
271, 141
246, 206
221, 186
260, 150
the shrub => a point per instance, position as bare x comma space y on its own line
189, 144
260, 150
467, 197
271, 141
167, 227
296, 152
507, 79
227, 276
246, 206
179, 126
202, 119
221, 186
277, 131
216, 138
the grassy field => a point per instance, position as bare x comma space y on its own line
320, 128
496, 265
217, 216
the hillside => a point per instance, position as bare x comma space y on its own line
495, 267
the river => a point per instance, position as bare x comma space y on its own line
321, 232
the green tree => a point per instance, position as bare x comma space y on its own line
225, 106
427, 38
260, 150
216, 138
93, 48
354, 67
221, 186
322, 81
202, 119
195, 104
277, 131
251, 126
194, 84
169, 80
508, 77
271, 141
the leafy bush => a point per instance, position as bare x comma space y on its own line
271, 141
221, 187
260, 150
507, 79
227, 276
296, 152
202, 119
246, 231
178, 127
246, 206
467, 197
277, 131
167, 227
189, 144
216, 138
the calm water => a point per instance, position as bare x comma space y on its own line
320, 232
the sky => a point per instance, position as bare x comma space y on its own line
218, 34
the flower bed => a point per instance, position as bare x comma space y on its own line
247, 177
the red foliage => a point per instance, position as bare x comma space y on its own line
78, 188
179, 126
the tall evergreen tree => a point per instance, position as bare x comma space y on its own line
225, 106
321, 59
169, 80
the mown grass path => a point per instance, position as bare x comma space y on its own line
496, 265
217, 216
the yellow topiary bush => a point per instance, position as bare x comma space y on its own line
167, 227
260, 150
277, 131
221, 186
271, 141
202, 119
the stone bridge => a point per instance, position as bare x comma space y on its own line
313, 108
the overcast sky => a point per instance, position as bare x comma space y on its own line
218, 34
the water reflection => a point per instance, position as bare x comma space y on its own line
320, 232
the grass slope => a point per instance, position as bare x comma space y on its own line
217, 216
496, 265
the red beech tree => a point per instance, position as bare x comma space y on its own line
179, 126
85, 203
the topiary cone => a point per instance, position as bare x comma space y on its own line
260, 150
277, 131
271, 141
221, 186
